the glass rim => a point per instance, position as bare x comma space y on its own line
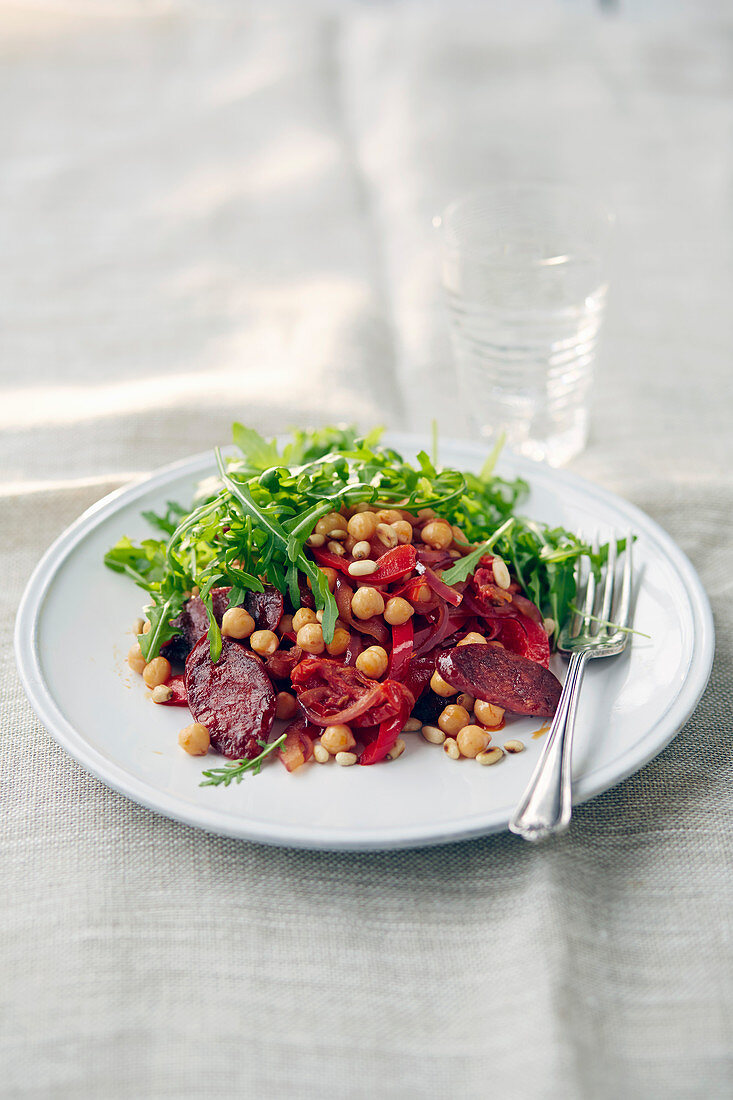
592, 204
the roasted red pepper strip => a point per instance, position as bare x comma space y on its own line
393, 565
325, 557
389, 731
401, 649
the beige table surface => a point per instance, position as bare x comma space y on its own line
218, 210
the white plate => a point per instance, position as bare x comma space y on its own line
73, 631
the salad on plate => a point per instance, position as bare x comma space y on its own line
353, 596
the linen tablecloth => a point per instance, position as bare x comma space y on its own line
220, 210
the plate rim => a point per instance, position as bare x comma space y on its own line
113, 775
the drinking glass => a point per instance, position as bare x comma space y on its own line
524, 276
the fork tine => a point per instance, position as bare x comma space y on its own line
622, 615
610, 575
590, 590
574, 625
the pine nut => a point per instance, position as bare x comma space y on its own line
345, 759
336, 548
491, 756
550, 625
162, 693
466, 701
434, 735
514, 746
338, 534
320, 755
361, 550
450, 748
362, 568
501, 573
397, 749
412, 725
387, 535
137, 626
316, 540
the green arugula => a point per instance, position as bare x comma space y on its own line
251, 524
464, 567
234, 772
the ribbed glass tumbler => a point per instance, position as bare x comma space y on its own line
524, 276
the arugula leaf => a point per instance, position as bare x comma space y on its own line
251, 524
257, 451
237, 769
464, 567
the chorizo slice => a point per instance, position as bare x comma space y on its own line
233, 698
498, 676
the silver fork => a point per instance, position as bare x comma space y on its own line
546, 805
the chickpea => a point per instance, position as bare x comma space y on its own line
237, 623
340, 643
363, 526
367, 602
389, 515
488, 714
426, 513
421, 594
310, 638
286, 706
403, 530
373, 662
330, 575
194, 739
472, 740
157, 672
398, 611
285, 626
303, 616
473, 639
327, 571
146, 627
437, 533
453, 719
458, 537
332, 522
135, 659
337, 738
441, 686
264, 642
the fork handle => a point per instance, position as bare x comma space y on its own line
546, 804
